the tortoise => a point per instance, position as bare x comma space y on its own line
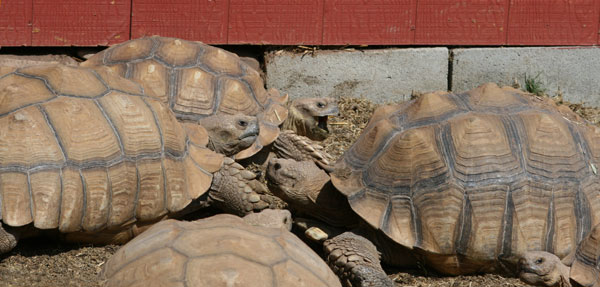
462, 183
222, 250
198, 80
86, 154
581, 268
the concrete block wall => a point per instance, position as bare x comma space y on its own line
387, 75
572, 71
382, 76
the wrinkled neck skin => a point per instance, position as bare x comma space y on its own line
294, 121
223, 148
565, 272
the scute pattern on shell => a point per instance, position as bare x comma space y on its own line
585, 270
469, 178
216, 251
197, 80
86, 160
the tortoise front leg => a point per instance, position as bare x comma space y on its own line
235, 190
355, 260
8, 240
289, 145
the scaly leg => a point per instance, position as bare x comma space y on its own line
8, 241
355, 260
236, 190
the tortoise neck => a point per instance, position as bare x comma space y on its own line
565, 273
211, 145
217, 147
294, 121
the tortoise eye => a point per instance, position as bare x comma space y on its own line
242, 123
539, 260
320, 105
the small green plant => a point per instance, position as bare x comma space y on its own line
534, 86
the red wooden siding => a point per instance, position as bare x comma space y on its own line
553, 22
468, 22
15, 22
371, 21
203, 20
308, 22
79, 22
285, 22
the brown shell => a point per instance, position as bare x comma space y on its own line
198, 80
85, 151
586, 267
468, 178
218, 251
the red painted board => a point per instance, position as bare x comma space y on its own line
553, 22
15, 22
80, 22
369, 22
197, 20
284, 22
461, 22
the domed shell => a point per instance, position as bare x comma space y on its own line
198, 80
218, 251
469, 178
585, 270
85, 150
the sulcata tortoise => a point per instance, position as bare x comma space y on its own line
85, 153
198, 80
581, 268
463, 183
222, 250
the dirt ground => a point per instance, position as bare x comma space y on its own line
43, 262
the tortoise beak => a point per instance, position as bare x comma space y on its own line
333, 111
251, 131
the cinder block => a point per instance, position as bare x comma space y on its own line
24, 61
573, 71
384, 75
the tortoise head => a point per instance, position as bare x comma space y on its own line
308, 189
543, 269
308, 117
296, 182
229, 134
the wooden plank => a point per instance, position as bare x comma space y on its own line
80, 22
198, 20
284, 22
553, 22
378, 22
15, 23
463, 22
294, 22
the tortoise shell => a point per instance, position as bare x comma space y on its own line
218, 251
85, 150
585, 269
197, 80
470, 178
